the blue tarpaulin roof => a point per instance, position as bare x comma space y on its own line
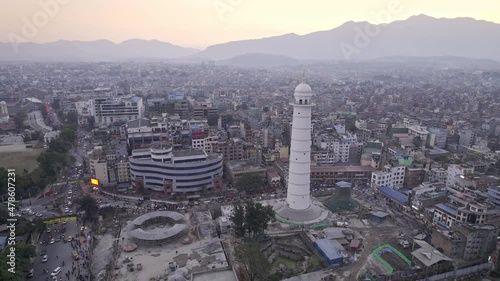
328, 249
447, 208
394, 194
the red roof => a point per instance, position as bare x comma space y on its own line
355, 243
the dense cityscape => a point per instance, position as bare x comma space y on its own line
149, 171
230, 140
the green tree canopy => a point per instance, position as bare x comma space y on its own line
238, 219
213, 120
19, 120
23, 264
88, 205
251, 218
251, 258
250, 182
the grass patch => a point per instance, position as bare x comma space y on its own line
20, 160
290, 264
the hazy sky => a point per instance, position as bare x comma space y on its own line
199, 23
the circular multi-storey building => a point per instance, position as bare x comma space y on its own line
162, 169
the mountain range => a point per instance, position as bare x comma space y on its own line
418, 36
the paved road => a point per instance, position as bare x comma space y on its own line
36, 122
60, 249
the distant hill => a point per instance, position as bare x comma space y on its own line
418, 36
93, 50
259, 61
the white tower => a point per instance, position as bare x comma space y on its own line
299, 177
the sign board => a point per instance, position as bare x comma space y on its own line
94, 181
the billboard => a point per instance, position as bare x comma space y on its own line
94, 181
58, 220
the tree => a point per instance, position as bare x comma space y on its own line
238, 219
72, 118
471, 156
88, 205
91, 121
257, 217
417, 141
255, 263
23, 264
250, 182
39, 225
251, 218
43, 110
56, 104
19, 120
213, 120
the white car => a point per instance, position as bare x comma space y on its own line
45, 258
52, 241
56, 271
66, 210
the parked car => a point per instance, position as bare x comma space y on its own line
45, 258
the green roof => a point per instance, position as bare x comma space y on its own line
399, 130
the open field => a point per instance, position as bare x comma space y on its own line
17, 156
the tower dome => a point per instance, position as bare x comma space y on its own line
303, 88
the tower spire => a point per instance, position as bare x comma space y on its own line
304, 76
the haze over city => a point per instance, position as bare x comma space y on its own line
249, 140
201, 23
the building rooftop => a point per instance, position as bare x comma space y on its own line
143, 122
447, 208
330, 251
427, 254
191, 152
394, 194
160, 214
141, 234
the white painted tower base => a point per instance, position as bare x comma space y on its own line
298, 205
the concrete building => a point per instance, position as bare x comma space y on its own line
143, 132
458, 173
392, 176
202, 111
414, 177
99, 170
123, 171
437, 175
161, 169
467, 137
468, 242
421, 132
440, 137
3, 108
494, 195
49, 136
237, 168
463, 207
232, 149
109, 110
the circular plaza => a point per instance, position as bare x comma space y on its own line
157, 227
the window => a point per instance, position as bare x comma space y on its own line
300, 101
